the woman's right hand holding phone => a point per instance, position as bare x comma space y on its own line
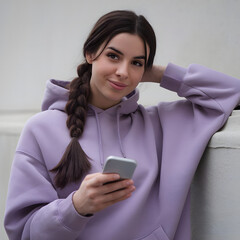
94, 194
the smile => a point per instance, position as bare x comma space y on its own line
117, 85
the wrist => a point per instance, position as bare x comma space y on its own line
75, 202
159, 71
154, 74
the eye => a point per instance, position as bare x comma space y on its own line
137, 63
112, 56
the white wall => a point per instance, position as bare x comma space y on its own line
215, 191
42, 39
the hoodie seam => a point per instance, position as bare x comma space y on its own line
28, 154
60, 221
45, 171
149, 234
220, 108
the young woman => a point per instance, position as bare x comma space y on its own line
57, 189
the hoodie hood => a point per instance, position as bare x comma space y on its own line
56, 97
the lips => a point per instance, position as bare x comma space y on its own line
117, 85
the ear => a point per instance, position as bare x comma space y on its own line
89, 58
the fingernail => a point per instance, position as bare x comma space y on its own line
116, 176
132, 188
130, 182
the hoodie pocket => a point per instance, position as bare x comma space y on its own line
157, 234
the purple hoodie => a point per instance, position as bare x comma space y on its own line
166, 140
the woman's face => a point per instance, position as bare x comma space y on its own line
118, 69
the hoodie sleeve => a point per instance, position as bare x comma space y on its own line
203, 87
187, 125
33, 209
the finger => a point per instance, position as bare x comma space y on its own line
100, 205
91, 176
105, 201
107, 204
117, 195
120, 199
101, 179
115, 186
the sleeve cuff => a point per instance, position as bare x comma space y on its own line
173, 77
69, 217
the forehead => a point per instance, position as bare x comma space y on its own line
128, 44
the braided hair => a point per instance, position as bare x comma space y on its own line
75, 163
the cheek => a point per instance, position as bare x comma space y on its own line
103, 69
138, 77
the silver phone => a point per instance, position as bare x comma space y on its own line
125, 167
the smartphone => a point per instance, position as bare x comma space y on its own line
125, 167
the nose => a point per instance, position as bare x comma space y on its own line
122, 70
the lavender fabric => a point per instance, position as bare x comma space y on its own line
166, 140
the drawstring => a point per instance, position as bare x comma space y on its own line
119, 135
99, 139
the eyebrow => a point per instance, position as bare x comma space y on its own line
119, 52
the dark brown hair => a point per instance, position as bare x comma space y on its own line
75, 163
